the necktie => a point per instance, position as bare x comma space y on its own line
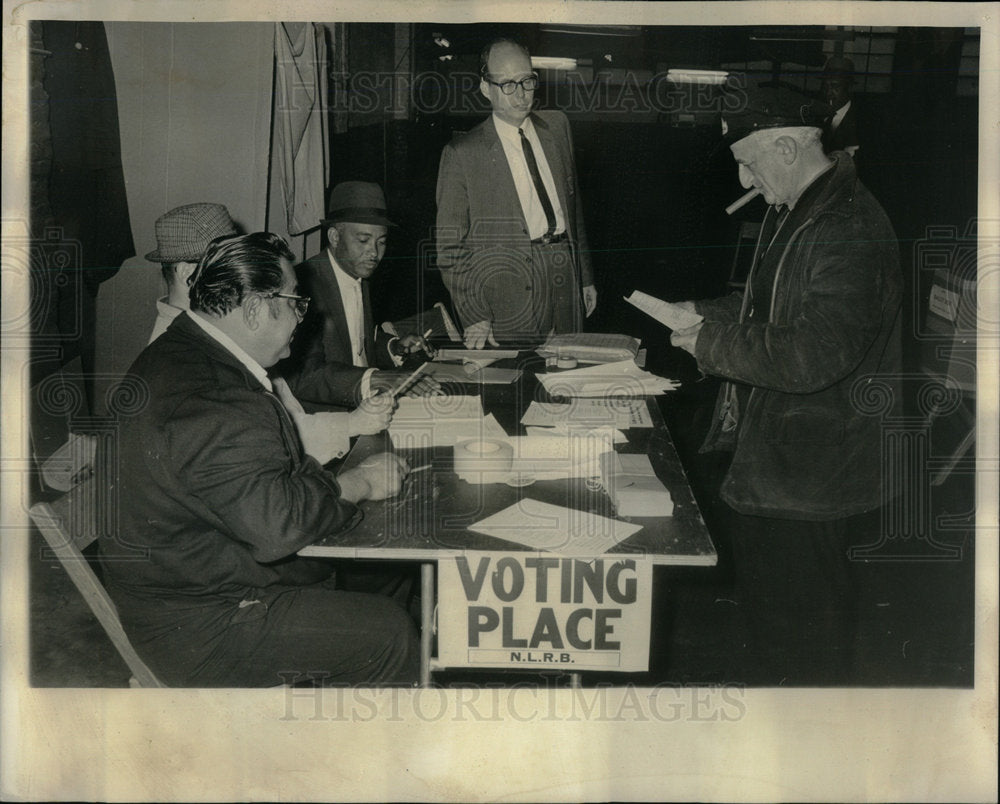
359, 326
536, 179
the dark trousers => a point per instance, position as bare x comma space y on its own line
797, 600
281, 635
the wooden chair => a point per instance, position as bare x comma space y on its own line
69, 525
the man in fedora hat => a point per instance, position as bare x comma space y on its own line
339, 359
182, 235
841, 132
804, 352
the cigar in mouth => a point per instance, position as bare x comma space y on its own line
742, 201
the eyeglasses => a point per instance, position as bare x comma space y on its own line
301, 302
529, 84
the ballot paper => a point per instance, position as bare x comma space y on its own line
633, 486
623, 378
619, 413
565, 531
444, 433
568, 430
434, 421
669, 314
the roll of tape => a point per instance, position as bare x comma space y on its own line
566, 362
483, 455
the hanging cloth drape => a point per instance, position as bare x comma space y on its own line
301, 133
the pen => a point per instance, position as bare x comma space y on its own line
428, 333
420, 468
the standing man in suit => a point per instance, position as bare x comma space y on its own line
841, 132
338, 357
511, 243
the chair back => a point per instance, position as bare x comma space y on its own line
69, 525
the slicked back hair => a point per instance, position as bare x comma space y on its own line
484, 55
234, 267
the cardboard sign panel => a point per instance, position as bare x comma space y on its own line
543, 611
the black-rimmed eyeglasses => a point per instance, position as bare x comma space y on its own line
529, 84
301, 302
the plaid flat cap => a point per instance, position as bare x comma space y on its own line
183, 234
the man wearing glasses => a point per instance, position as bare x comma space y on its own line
511, 243
217, 496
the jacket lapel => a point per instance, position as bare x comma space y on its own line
332, 305
553, 156
500, 181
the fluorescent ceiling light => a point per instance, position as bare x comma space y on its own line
681, 76
552, 63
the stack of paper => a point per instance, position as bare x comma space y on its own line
481, 357
634, 487
623, 378
556, 529
619, 413
441, 421
668, 314
591, 347
547, 458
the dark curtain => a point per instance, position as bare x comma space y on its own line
80, 228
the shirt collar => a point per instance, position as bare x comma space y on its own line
166, 309
342, 275
230, 346
509, 132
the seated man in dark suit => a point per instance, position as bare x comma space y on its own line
339, 359
217, 496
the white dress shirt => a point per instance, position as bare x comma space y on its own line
531, 205
230, 346
165, 314
352, 298
838, 117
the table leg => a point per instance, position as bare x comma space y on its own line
575, 681
426, 621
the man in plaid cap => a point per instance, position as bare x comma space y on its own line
182, 235
806, 354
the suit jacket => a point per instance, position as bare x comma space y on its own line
846, 133
321, 370
483, 246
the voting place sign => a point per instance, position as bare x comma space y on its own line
544, 612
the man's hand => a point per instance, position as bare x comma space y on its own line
589, 299
371, 416
408, 344
477, 335
378, 477
686, 338
386, 381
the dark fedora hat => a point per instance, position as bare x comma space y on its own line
183, 234
838, 67
357, 202
748, 107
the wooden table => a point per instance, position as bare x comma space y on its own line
429, 519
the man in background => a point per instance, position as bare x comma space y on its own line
339, 359
511, 241
217, 496
817, 325
841, 133
182, 235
